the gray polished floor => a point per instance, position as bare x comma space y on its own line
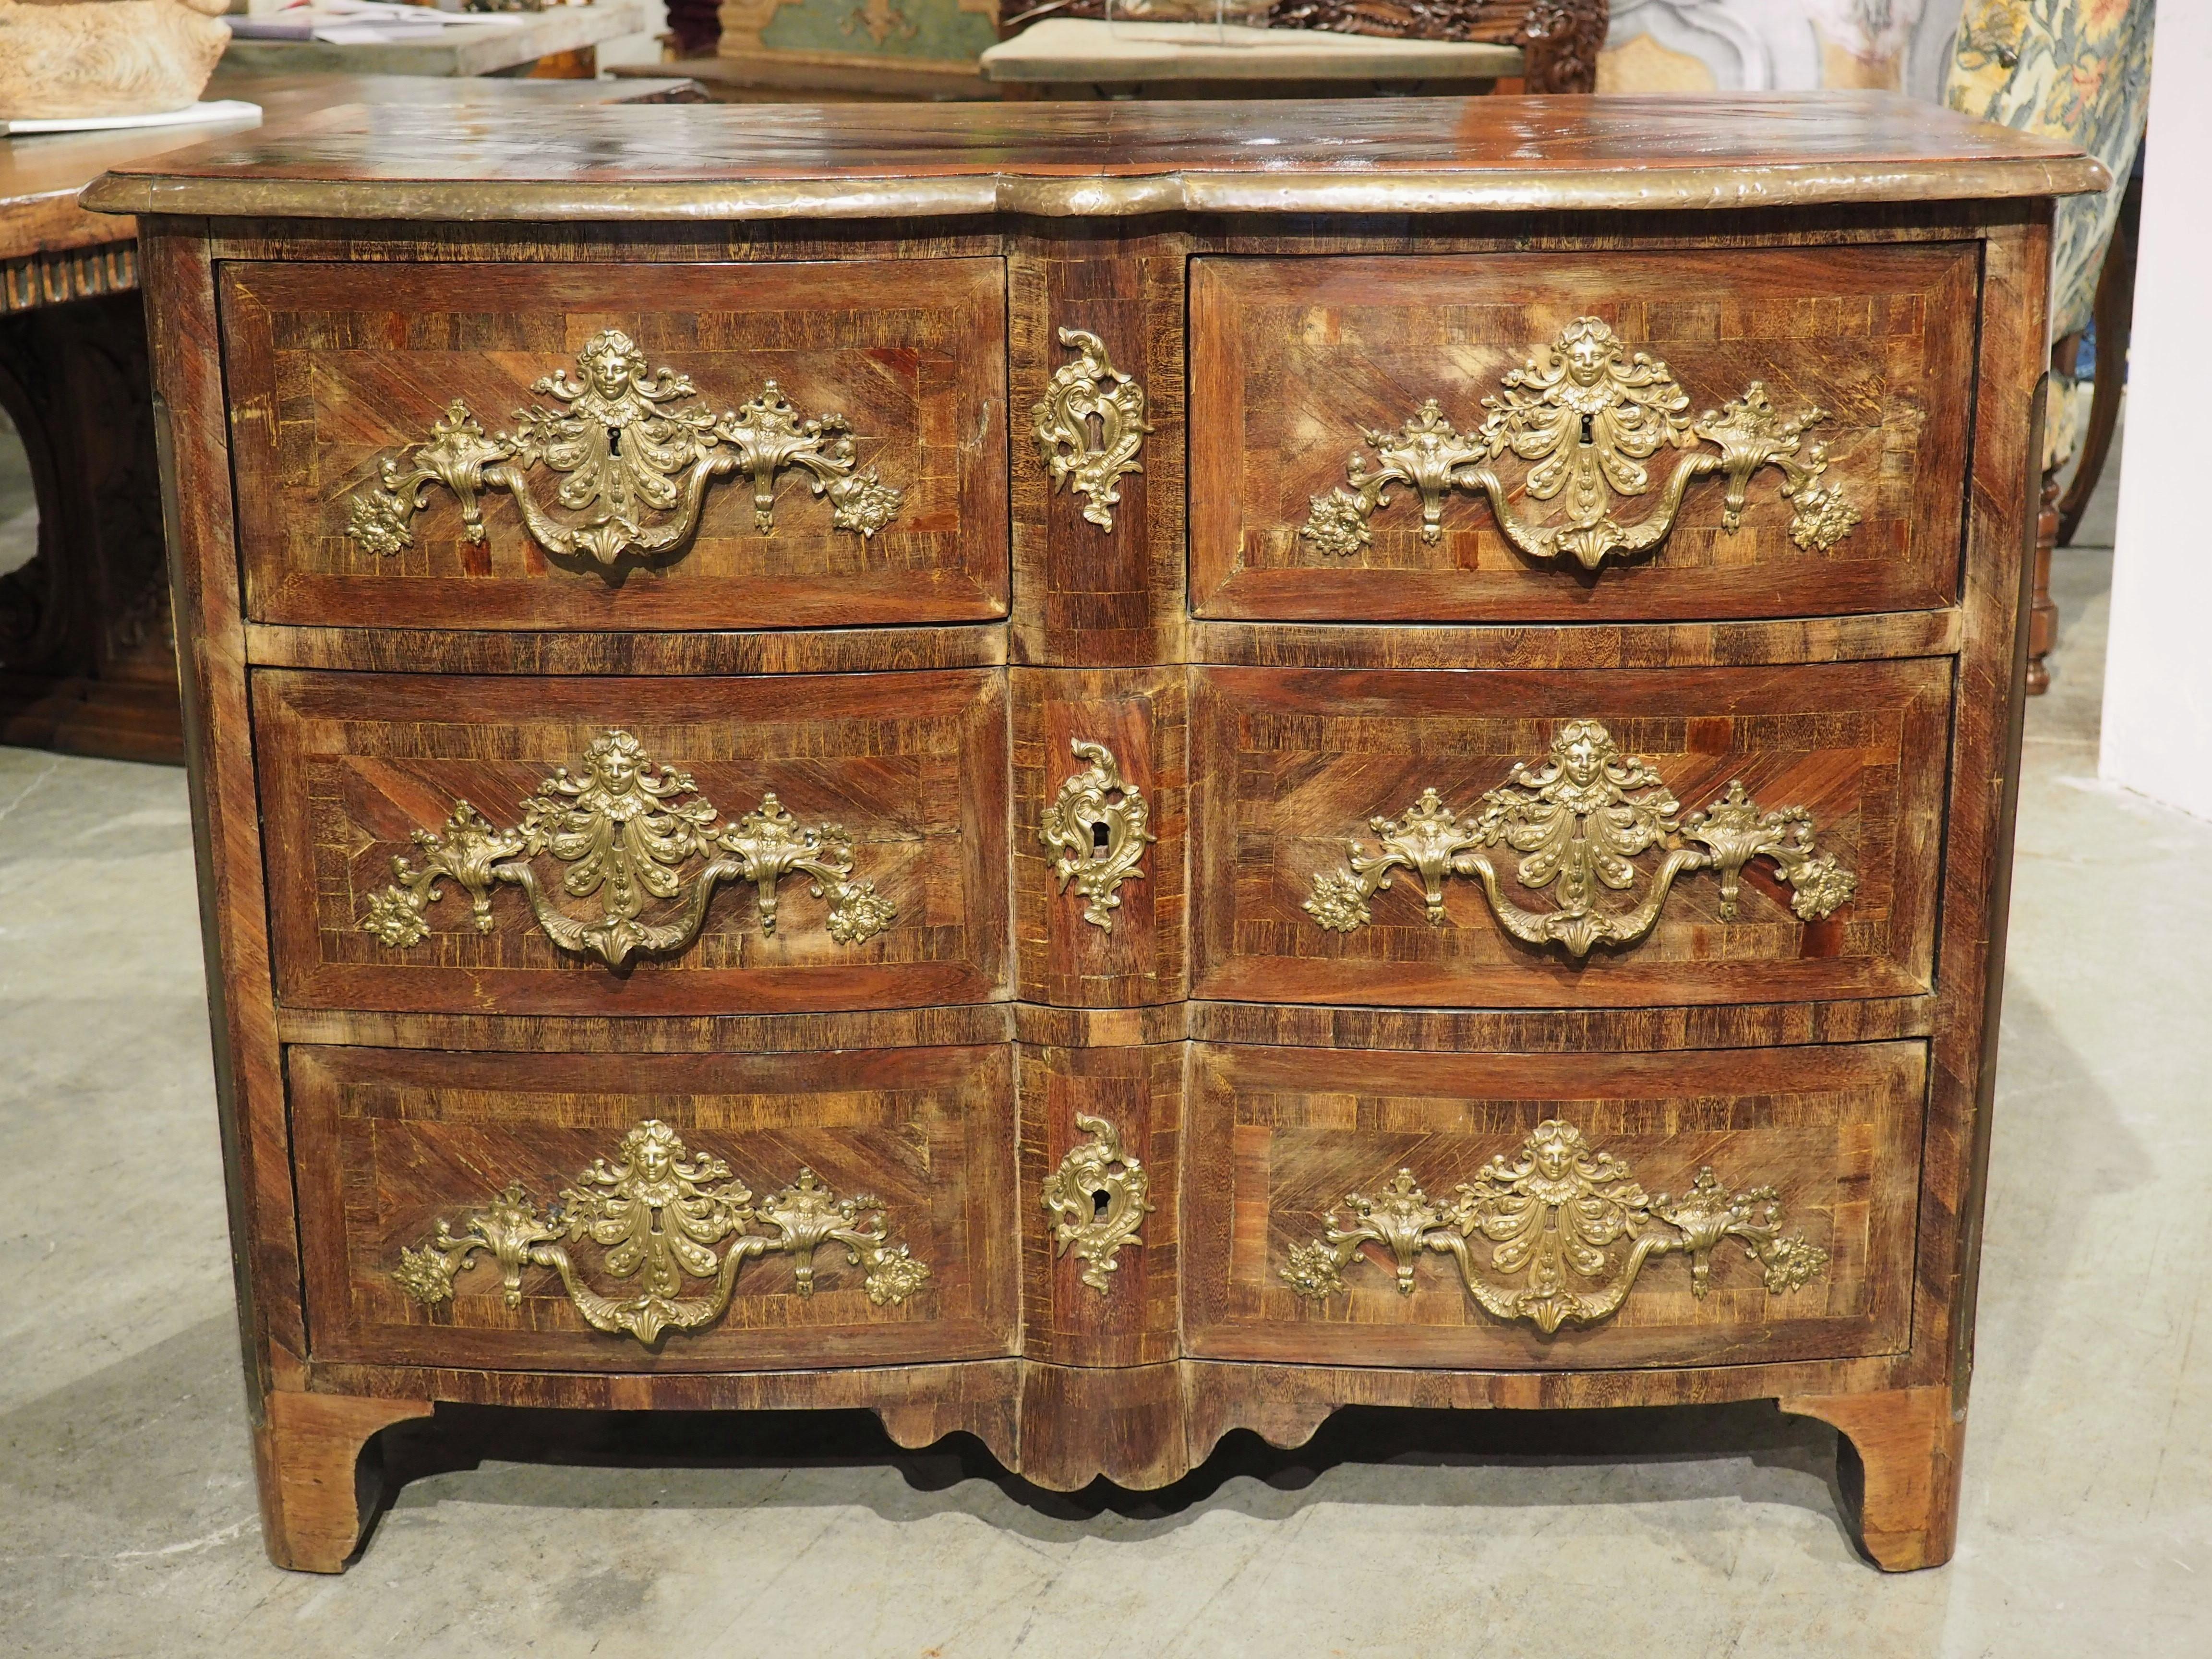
127, 1521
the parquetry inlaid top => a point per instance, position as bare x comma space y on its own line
714, 161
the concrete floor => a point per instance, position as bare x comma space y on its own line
127, 1521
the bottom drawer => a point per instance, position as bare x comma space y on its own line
656, 1212
1485, 1211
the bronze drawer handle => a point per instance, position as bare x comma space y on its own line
656, 1215
1097, 1200
634, 457
1589, 417
1551, 1214
627, 830
1096, 827
1575, 822
1090, 386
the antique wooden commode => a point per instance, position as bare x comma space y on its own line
1098, 772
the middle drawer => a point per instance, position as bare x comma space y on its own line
1568, 839
651, 846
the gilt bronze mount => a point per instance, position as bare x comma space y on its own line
657, 1215
634, 454
1096, 1198
1096, 828
627, 829
1589, 415
1553, 1212
1090, 388
1577, 824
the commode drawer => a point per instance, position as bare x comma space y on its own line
578, 1211
1482, 1211
1585, 436
661, 846
1586, 840
771, 445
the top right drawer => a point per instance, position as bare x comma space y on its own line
1589, 436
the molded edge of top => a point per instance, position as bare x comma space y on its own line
1628, 190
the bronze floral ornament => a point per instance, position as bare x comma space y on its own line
1091, 389
1588, 416
1553, 1213
657, 1215
1097, 1200
1096, 829
627, 830
1579, 818
634, 453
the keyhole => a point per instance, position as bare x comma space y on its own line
1586, 428
613, 436
1098, 838
1099, 1199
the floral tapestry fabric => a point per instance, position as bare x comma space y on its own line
2070, 69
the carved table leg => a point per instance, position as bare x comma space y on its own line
1908, 1442
2043, 613
308, 1450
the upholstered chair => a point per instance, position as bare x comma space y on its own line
2080, 70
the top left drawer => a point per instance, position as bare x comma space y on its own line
655, 447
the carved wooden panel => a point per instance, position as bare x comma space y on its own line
1137, 958
911, 768
1278, 1137
1136, 1091
1287, 765
332, 368
392, 1141
1292, 358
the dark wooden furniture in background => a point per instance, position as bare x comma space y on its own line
88, 662
1063, 393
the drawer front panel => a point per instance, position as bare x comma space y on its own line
1552, 1179
908, 1161
1304, 780
1294, 361
610, 847
1099, 842
335, 369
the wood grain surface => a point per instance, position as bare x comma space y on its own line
924, 693
1061, 957
1133, 156
914, 766
1140, 1091
185, 336
1291, 360
334, 367
1287, 765
1086, 595
391, 1141
1278, 1137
